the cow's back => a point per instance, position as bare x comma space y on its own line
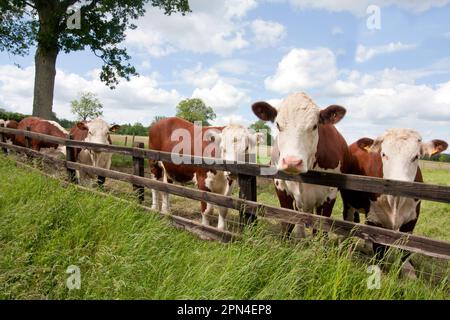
23, 125
160, 139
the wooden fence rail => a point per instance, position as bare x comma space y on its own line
415, 190
247, 204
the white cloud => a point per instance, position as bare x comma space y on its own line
358, 7
140, 99
222, 97
212, 27
336, 30
200, 77
267, 33
233, 66
364, 53
303, 69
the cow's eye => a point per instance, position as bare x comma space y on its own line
383, 155
315, 127
415, 158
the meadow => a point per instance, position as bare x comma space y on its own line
126, 253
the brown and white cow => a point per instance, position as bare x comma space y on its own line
229, 143
10, 124
95, 131
307, 140
43, 126
395, 156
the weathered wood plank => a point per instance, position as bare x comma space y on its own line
138, 170
343, 181
413, 243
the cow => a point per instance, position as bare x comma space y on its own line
230, 143
43, 126
395, 156
95, 131
307, 140
10, 124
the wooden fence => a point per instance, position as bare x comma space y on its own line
247, 203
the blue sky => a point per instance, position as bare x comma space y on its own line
233, 53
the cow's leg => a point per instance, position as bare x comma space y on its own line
223, 211
408, 270
286, 202
155, 205
165, 204
207, 211
325, 210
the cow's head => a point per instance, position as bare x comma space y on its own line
298, 120
97, 131
234, 141
400, 151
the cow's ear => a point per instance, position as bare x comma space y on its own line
332, 115
82, 126
376, 146
114, 128
433, 147
213, 135
264, 111
365, 143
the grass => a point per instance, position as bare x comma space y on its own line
125, 253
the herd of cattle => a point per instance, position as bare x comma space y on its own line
307, 140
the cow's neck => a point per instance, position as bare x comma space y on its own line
392, 211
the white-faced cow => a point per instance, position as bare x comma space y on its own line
179, 136
95, 131
10, 124
307, 140
43, 126
394, 155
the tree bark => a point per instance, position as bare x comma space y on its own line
44, 81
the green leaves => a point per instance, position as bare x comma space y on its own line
195, 110
24, 24
88, 107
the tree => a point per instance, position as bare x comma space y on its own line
54, 26
195, 110
261, 126
88, 107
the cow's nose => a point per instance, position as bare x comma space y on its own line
291, 164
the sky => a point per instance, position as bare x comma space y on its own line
389, 70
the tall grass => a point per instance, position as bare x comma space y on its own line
125, 253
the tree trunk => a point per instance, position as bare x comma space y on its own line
44, 81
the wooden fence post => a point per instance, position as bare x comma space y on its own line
70, 156
126, 140
28, 139
247, 191
138, 168
3, 139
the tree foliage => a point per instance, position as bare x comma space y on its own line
24, 24
133, 129
195, 110
88, 107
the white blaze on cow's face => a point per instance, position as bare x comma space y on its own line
98, 131
297, 120
234, 142
400, 151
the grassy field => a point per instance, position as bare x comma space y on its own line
125, 253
